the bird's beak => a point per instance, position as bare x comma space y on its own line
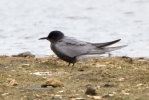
42, 38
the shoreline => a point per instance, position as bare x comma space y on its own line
54, 56
28, 53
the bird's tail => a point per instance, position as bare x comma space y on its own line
108, 49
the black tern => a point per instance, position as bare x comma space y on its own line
72, 50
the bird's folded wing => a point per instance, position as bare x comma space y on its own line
73, 49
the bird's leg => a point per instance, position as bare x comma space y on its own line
73, 64
68, 64
72, 67
109, 54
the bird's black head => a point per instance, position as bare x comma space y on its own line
54, 36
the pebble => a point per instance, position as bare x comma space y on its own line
126, 93
114, 92
52, 82
111, 95
108, 85
90, 90
77, 99
13, 82
139, 85
80, 99
24, 54
60, 91
25, 65
97, 97
121, 79
6, 94
58, 96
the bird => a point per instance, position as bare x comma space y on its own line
73, 50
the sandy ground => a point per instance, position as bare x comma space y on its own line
118, 78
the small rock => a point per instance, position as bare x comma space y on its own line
58, 96
25, 65
121, 79
80, 99
98, 87
111, 95
6, 94
89, 96
52, 82
60, 91
13, 70
80, 69
139, 85
114, 92
36, 95
97, 97
24, 54
125, 57
108, 95
108, 85
13, 82
90, 90
126, 93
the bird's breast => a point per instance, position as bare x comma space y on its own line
63, 56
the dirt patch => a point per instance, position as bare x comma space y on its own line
115, 78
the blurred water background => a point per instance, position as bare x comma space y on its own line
22, 22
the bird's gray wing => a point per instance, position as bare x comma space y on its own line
72, 47
105, 44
